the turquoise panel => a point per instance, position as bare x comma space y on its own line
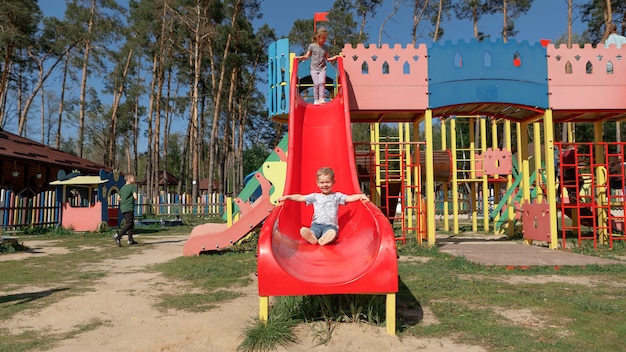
487, 72
278, 78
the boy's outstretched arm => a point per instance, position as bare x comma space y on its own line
294, 197
355, 197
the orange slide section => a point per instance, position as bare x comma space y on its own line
363, 258
214, 237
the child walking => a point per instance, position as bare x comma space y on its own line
318, 52
325, 225
127, 198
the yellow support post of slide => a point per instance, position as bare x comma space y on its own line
391, 314
264, 308
455, 179
229, 211
430, 179
548, 141
510, 213
537, 160
600, 184
446, 187
485, 181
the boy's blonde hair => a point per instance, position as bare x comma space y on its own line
326, 171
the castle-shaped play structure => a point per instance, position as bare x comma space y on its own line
499, 89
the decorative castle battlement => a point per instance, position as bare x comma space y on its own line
389, 78
586, 78
407, 78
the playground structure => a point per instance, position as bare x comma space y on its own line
507, 96
84, 199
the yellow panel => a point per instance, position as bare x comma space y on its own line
275, 172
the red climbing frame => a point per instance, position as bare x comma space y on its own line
591, 196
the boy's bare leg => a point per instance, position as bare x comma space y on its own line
328, 237
306, 233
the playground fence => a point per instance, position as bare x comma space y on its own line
18, 211
212, 205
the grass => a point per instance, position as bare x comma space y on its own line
209, 276
538, 309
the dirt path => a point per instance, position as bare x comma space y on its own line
122, 303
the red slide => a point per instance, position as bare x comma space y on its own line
363, 258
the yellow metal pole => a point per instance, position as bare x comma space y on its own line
496, 185
523, 152
430, 190
229, 211
537, 152
374, 139
548, 137
474, 193
509, 179
264, 308
600, 186
446, 188
455, 178
485, 181
408, 208
390, 311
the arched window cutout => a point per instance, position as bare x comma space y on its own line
568, 68
589, 67
487, 59
609, 67
364, 68
458, 60
283, 66
385, 68
406, 68
517, 59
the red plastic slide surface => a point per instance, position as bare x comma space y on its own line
363, 258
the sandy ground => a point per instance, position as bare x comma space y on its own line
123, 303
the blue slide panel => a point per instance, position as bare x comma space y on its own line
278, 78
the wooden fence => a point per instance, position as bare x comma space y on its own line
17, 211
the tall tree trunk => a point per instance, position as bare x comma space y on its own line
42, 76
150, 120
117, 97
229, 143
83, 83
396, 6
135, 166
4, 81
166, 124
62, 101
417, 17
504, 21
218, 94
196, 62
475, 20
437, 25
42, 110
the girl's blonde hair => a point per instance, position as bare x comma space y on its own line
318, 33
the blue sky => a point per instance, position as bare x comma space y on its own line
547, 19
